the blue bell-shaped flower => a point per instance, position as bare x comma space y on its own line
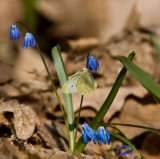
14, 32
103, 136
123, 150
88, 133
92, 63
28, 40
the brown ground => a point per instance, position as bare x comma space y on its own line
31, 123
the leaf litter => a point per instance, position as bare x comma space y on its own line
31, 122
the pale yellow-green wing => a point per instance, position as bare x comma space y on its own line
86, 83
70, 86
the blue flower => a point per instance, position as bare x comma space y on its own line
88, 134
92, 63
28, 40
124, 150
14, 32
103, 136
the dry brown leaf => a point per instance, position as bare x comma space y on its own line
42, 153
96, 99
8, 150
138, 114
151, 143
103, 21
24, 120
55, 136
3, 120
139, 43
83, 44
23, 72
87, 156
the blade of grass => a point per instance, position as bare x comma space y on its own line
136, 126
126, 141
156, 44
63, 77
118, 130
130, 125
142, 77
80, 145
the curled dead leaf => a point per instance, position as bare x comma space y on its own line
24, 118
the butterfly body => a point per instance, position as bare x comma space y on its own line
81, 82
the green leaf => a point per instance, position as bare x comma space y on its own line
130, 125
80, 145
142, 77
156, 44
63, 77
126, 141
30, 14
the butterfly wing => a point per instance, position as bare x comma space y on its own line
70, 86
86, 82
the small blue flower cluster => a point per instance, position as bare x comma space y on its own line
124, 150
28, 39
92, 63
89, 134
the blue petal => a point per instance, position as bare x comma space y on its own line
88, 134
127, 150
28, 40
124, 153
33, 42
92, 63
84, 137
14, 32
108, 137
103, 136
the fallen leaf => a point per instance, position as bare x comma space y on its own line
137, 113
24, 120
55, 136
95, 100
83, 44
151, 143
42, 153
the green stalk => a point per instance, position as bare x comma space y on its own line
78, 120
63, 77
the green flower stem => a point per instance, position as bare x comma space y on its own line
63, 77
53, 85
78, 120
25, 26
106, 105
